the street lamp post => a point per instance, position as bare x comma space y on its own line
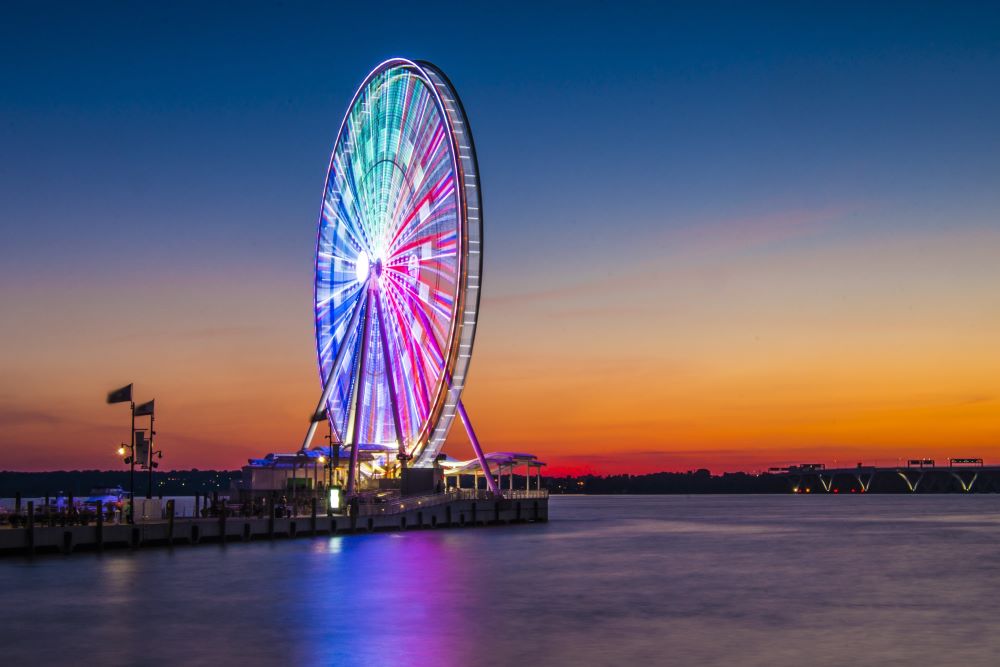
153, 454
329, 459
332, 462
131, 470
129, 450
124, 395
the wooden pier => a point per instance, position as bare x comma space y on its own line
443, 511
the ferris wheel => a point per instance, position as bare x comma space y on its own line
398, 269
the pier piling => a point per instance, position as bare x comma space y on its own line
100, 525
170, 522
31, 527
270, 516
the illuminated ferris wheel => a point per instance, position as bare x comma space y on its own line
398, 267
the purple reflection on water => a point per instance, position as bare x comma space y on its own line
390, 599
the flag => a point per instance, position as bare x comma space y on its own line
320, 416
121, 395
144, 409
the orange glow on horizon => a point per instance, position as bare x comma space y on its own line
728, 361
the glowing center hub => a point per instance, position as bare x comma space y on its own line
361, 266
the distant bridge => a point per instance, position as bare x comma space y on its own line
918, 476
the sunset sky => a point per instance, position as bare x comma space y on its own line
722, 236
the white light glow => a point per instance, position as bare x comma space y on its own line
361, 267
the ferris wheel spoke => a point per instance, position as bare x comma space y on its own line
418, 177
411, 241
409, 136
426, 189
424, 326
417, 389
425, 213
346, 182
331, 257
348, 230
417, 298
332, 376
398, 260
360, 392
415, 173
323, 303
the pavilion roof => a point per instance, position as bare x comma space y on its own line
494, 460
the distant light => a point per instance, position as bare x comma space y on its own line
361, 266
121, 451
335, 497
322, 459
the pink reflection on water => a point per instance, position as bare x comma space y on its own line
390, 599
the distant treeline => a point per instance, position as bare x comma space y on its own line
80, 482
190, 482
697, 481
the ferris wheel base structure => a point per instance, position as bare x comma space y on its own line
398, 277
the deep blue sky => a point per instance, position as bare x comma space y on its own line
161, 167
219, 110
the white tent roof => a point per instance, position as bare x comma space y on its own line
494, 460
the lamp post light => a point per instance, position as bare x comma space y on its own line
127, 452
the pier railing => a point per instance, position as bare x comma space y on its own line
397, 505
524, 494
263, 504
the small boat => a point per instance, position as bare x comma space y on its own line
107, 495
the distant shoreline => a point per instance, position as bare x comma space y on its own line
200, 482
80, 482
191, 482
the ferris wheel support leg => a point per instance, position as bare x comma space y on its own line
359, 396
490, 482
387, 358
330, 383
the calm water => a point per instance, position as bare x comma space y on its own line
744, 580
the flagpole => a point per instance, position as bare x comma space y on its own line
131, 471
149, 490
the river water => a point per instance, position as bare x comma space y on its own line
665, 580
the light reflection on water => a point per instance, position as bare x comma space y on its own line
749, 580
